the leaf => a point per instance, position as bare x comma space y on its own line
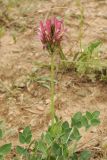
1, 157
5, 149
20, 150
64, 151
74, 157
46, 86
75, 135
48, 138
42, 147
65, 126
96, 114
57, 150
77, 116
1, 134
85, 155
33, 157
22, 138
95, 122
89, 115
92, 46
25, 136
84, 122
89, 60
56, 129
64, 138
28, 138
76, 120
44, 81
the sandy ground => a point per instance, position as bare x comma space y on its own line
22, 103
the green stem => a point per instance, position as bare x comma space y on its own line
52, 89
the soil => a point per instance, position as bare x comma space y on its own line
24, 103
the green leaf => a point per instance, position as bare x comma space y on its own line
89, 115
76, 120
84, 122
77, 116
65, 132
1, 134
1, 157
65, 136
20, 150
57, 151
42, 147
85, 155
95, 122
65, 125
28, 138
74, 157
56, 129
33, 157
22, 138
65, 151
46, 86
95, 114
75, 134
48, 138
92, 46
25, 136
5, 149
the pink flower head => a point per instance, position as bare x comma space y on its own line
51, 33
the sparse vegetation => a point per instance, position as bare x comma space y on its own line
42, 86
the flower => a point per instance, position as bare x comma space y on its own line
51, 33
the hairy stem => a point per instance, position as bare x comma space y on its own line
52, 107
